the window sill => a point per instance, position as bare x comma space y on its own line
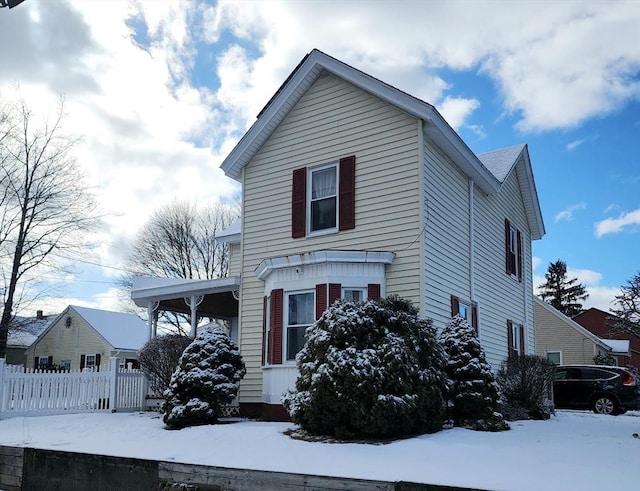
319, 233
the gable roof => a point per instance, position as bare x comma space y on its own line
436, 128
120, 330
25, 330
572, 324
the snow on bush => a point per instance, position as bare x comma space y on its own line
206, 379
472, 395
369, 370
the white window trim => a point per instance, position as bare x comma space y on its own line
46, 361
515, 338
310, 172
513, 249
86, 360
555, 351
285, 323
361, 289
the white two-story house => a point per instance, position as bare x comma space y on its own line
354, 189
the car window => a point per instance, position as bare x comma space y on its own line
597, 374
574, 373
560, 374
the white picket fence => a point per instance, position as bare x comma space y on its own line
26, 392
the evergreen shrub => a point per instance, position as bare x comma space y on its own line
369, 370
472, 395
206, 379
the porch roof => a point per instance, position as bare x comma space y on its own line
218, 294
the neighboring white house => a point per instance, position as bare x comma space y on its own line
81, 337
565, 342
355, 189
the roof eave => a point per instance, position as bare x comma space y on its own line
307, 72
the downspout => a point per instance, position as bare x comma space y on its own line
422, 225
472, 251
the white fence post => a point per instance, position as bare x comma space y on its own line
113, 383
2, 389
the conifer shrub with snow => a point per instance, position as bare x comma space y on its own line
472, 394
369, 370
206, 379
524, 383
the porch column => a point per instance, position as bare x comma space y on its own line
193, 301
152, 319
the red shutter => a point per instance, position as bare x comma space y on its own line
321, 299
264, 328
82, 358
373, 291
347, 195
521, 327
97, 362
519, 248
275, 344
335, 292
510, 352
507, 249
455, 306
299, 203
474, 316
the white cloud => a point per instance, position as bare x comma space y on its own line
535, 262
456, 110
600, 297
574, 144
586, 277
615, 225
567, 214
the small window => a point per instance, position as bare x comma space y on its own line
554, 357
90, 361
301, 314
513, 246
323, 184
67, 322
43, 362
66, 365
353, 294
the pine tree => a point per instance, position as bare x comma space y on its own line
472, 394
207, 378
561, 293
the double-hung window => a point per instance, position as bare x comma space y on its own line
513, 250
353, 294
323, 198
515, 339
467, 310
323, 184
300, 315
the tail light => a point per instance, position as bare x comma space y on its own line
630, 380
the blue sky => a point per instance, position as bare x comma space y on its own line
162, 90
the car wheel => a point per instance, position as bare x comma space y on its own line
604, 405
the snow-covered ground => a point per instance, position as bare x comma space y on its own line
573, 451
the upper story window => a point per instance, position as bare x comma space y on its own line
513, 250
323, 198
353, 294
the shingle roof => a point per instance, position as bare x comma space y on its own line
501, 161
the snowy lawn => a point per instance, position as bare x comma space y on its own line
573, 451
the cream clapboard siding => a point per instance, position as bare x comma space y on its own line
501, 297
234, 259
554, 332
332, 120
446, 236
69, 343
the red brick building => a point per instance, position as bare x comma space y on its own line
599, 323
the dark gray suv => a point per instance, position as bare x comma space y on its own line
605, 389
